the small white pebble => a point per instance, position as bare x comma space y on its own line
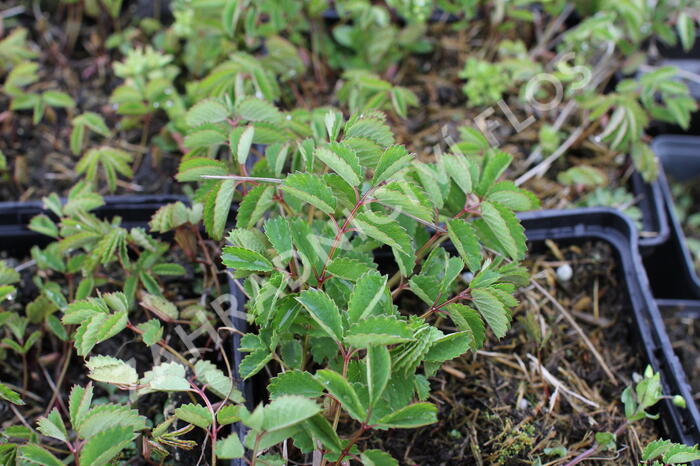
523, 404
564, 273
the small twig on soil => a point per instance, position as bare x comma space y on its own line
541, 168
551, 29
579, 330
14, 11
558, 384
242, 178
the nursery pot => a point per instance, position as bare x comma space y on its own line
135, 211
655, 225
609, 226
670, 267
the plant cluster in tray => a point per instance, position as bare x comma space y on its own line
373, 154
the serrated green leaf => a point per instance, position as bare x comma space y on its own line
107, 416
287, 411
161, 307
240, 143
583, 175
44, 225
53, 426
506, 228
254, 362
58, 99
426, 287
103, 447
492, 309
393, 160
229, 448
254, 109
385, 230
411, 416
656, 449
206, 111
166, 377
342, 160
197, 415
378, 364
245, 259
193, 168
216, 381
79, 404
373, 129
467, 319
10, 395
377, 458
324, 311
510, 196
295, 382
310, 188
367, 295
34, 454
228, 415
254, 205
217, 208
686, 30
341, 390
111, 370
321, 430
449, 347
494, 166
378, 331
278, 232
348, 269
681, 454
405, 198
457, 167
464, 238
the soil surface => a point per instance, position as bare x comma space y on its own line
684, 332
502, 405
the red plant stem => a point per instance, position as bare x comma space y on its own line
339, 235
353, 440
591, 451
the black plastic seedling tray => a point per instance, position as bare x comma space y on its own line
608, 225
655, 227
569, 226
670, 267
135, 211
615, 229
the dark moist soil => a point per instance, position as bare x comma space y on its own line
495, 408
684, 332
39, 157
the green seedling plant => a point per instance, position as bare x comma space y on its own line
95, 280
148, 87
18, 87
346, 355
15, 49
638, 399
363, 91
368, 39
617, 198
629, 110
